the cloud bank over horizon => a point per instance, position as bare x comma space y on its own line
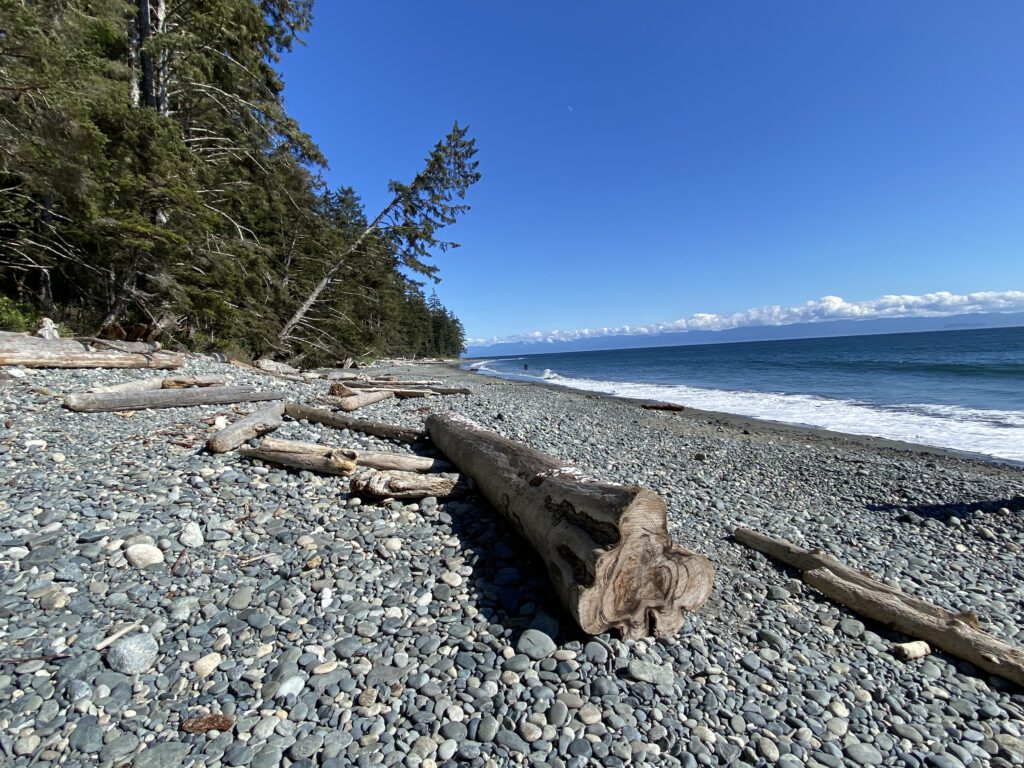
940, 304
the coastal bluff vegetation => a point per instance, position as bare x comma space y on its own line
153, 186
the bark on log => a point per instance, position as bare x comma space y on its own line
256, 423
311, 456
340, 421
397, 461
394, 484
90, 402
606, 546
673, 407
955, 633
355, 402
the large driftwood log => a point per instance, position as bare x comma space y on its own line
298, 455
606, 546
354, 402
395, 484
63, 358
20, 341
400, 461
340, 421
955, 633
391, 383
256, 423
93, 402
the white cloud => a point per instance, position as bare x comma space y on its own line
941, 304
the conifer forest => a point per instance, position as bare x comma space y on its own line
152, 186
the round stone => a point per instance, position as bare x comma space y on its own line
133, 654
535, 644
143, 555
863, 754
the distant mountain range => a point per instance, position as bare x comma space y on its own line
755, 333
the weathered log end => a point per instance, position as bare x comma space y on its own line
636, 580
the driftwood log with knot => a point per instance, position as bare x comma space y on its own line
607, 548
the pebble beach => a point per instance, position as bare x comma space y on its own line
275, 619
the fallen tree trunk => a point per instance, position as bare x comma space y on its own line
354, 402
395, 484
63, 358
256, 423
955, 633
339, 421
398, 461
93, 402
311, 456
606, 546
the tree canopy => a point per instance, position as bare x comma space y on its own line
152, 182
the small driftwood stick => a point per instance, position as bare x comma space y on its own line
399, 461
165, 398
340, 421
955, 633
257, 423
354, 402
915, 649
298, 455
394, 484
606, 546
674, 407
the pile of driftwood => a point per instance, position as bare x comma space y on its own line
37, 352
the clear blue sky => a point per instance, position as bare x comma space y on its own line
645, 161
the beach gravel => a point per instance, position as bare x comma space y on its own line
328, 630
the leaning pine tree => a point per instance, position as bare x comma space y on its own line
409, 223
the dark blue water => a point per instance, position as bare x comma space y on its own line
956, 389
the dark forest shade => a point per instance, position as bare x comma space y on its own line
152, 178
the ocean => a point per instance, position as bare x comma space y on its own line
962, 389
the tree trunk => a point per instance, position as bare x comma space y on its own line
311, 456
339, 421
955, 633
288, 331
146, 58
257, 423
158, 382
606, 546
395, 484
165, 398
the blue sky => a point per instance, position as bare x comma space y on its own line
645, 162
